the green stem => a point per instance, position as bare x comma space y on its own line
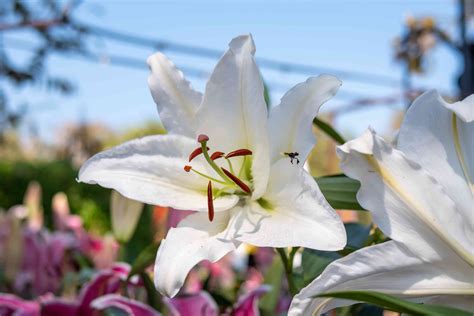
329, 130
208, 177
288, 265
213, 164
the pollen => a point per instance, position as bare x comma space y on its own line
237, 181
187, 168
239, 152
217, 155
210, 202
196, 152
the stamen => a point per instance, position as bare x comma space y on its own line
196, 152
217, 155
239, 152
187, 168
210, 203
237, 181
203, 138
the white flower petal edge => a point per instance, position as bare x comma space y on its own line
290, 122
194, 240
150, 170
407, 203
297, 214
233, 112
176, 101
434, 134
423, 213
390, 268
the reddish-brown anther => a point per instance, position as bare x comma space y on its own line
203, 138
239, 152
217, 155
210, 202
187, 168
196, 152
237, 181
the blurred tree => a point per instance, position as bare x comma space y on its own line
50, 24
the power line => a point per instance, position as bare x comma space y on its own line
139, 64
286, 67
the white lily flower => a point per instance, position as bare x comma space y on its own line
251, 187
421, 196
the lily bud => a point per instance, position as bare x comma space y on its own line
32, 201
125, 215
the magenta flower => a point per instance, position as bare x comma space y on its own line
15, 306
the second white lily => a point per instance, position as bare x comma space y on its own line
224, 156
421, 196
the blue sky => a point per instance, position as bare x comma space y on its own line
347, 35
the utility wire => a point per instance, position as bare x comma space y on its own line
286, 67
139, 64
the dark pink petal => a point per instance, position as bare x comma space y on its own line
131, 307
13, 305
96, 287
59, 307
247, 305
199, 304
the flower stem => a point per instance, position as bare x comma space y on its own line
213, 164
288, 265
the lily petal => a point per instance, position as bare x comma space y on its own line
247, 305
294, 213
290, 123
389, 268
407, 203
131, 307
150, 170
233, 112
13, 305
59, 307
195, 305
440, 136
177, 102
194, 240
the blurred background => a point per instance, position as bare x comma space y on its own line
73, 81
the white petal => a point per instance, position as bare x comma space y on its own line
406, 202
150, 170
290, 123
442, 142
464, 302
389, 268
300, 215
176, 100
233, 112
194, 240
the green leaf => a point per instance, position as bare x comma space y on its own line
340, 191
274, 278
153, 299
144, 260
357, 234
396, 304
328, 130
313, 263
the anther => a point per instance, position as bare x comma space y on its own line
237, 181
210, 202
203, 138
196, 152
187, 168
217, 155
239, 152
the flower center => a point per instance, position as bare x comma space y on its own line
228, 178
